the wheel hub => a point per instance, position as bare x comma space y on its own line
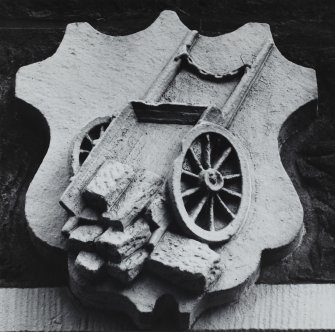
212, 179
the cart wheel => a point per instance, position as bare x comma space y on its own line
210, 184
86, 140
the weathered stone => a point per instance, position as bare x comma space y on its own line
85, 141
271, 227
211, 178
89, 264
108, 184
292, 307
88, 216
70, 225
82, 238
123, 210
185, 262
129, 268
159, 214
156, 211
116, 245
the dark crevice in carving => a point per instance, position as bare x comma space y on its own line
191, 65
166, 315
167, 112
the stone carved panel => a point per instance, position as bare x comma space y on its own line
254, 90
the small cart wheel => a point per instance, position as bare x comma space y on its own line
86, 140
210, 184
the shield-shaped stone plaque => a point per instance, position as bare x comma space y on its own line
163, 183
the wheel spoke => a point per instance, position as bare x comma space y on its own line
102, 130
231, 192
207, 152
96, 141
223, 204
195, 158
195, 213
189, 192
89, 138
224, 156
211, 214
190, 174
231, 176
84, 151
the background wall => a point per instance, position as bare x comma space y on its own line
304, 31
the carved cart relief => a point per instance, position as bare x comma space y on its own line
175, 185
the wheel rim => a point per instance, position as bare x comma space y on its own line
210, 184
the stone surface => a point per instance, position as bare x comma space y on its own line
84, 141
157, 212
88, 216
89, 264
52, 309
129, 268
82, 238
116, 245
185, 262
124, 209
299, 35
160, 216
70, 225
107, 101
313, 259
223, 199
261, 115
108, 184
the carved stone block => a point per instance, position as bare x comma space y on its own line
108, 184
185, 262
124, 209
117, 245
82, 238
129, 268
89, 264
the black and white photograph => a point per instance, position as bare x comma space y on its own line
167, 165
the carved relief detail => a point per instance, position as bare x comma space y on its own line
210, 186
86, 140
156, 205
